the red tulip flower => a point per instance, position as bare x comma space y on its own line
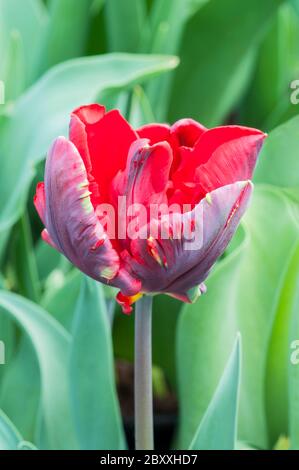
105, 160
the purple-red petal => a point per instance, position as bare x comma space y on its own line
166, 265
71, 221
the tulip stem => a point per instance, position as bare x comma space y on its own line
144, 434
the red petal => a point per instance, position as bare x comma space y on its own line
220, 157
187, 132
39, 201
72, 223
154, 132
46, 237
108, 138
80, 118
215, 138
78, 136
90, 114
232, 161
167, 264
146, 177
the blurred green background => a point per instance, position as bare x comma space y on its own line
217, 61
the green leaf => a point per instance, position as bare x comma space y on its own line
278, 57
53, 98
93, 393
125, 24
217, 55
10, 438
243, 295
52, 266
295, 4
28, 18
167, 21
282, 380
141, 112
278, 161
25, 445
14, 72
284, 350
21, 374
217, 430
9, 435
24, 260
51, 345
61, 301
66, 32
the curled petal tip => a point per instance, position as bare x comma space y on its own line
203, 288
126, 302
39, 200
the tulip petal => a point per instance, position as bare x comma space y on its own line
217, 137
104, 145
46, 237
146, 177
40, 201
187, 132
232, 161
80, 118
154, 133
170, 265
71, 221
144, 184
221, 156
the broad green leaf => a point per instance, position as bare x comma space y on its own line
14, 72
61, 294
283, 443
51, 345
21, 379
266, 106
93, 394
9, 435
61, 302
25, 445
279, 373
28, 18
243, 295
66, 32
217, 54
167, 21
243, 446
290, 350
52, 265
141, 112
218, 428
53, 98
125, 24
24, 260
295, 4
278, 162
10, 438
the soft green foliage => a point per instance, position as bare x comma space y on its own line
251, 279
218, 428
212, 77
279, 163
51, 345
9, 435
56, 94
219, 62
10, 438
94, 402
